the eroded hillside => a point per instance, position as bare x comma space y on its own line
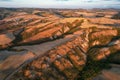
43, 45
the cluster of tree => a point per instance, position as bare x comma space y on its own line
116, 16
4, 15
100, 15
